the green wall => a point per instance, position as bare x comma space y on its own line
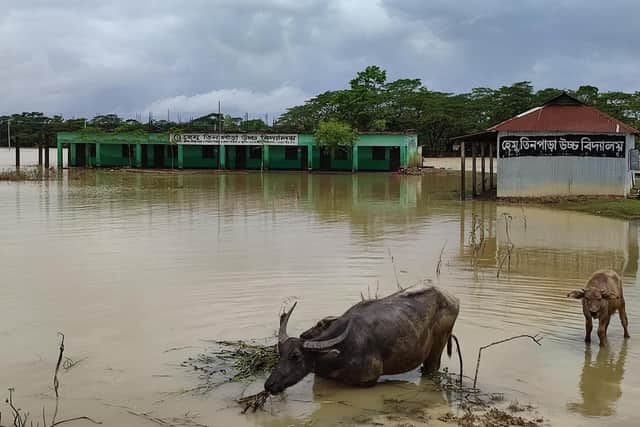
277, 158
193, 158
366, 162
111, 156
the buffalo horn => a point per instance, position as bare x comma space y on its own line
326, 344
284, 319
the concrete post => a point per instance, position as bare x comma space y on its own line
87, 155
354, 160
98, 155
223, 157
265, 157
138, 157
59, 152
72, 155
309, 157
180, 156
403, 156
39, 154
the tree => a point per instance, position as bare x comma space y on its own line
333, 134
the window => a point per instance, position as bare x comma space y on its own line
255, 153
341, 154
379, 153
291, 153
208, 152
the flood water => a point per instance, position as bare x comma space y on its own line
138, 269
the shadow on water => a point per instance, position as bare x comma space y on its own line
600, 381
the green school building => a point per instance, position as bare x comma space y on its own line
371, 152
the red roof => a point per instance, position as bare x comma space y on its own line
564, 114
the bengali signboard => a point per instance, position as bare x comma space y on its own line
562, 145
234, 139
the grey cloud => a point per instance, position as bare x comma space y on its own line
82, 58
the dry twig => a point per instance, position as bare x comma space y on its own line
20, 418
536, 339
395, 273
510, 246
439, 265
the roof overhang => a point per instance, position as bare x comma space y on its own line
477, 137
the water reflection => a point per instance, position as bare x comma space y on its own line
600, 381
394, 401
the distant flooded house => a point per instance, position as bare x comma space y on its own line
562, 148
242, 151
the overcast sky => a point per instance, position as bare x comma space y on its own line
86, 57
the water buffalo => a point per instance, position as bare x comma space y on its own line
601, 297
384, 336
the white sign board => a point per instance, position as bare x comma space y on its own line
235, 139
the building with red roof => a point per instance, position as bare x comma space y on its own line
561, 148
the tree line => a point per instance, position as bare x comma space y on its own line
371, 103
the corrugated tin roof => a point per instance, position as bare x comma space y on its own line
564, 114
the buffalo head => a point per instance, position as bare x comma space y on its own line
297, 356
594, 301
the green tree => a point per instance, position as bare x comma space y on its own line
333, 134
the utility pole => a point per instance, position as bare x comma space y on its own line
9, 133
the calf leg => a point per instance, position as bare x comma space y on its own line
602, 330
624, 320
588, 326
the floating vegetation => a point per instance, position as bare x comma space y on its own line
493, 417
234, 361
255, 401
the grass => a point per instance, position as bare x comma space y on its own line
613, 207
24, 174
618, 208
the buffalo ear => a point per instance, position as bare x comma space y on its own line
577, 294
608, 295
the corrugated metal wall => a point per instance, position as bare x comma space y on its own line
564, 176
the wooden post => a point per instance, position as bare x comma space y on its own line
39, 154
473, 169
46, 156
491, 166
17, 146
484, 187
462, 170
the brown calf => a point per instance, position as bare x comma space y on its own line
601, 297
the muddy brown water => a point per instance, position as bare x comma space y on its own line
132, 265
